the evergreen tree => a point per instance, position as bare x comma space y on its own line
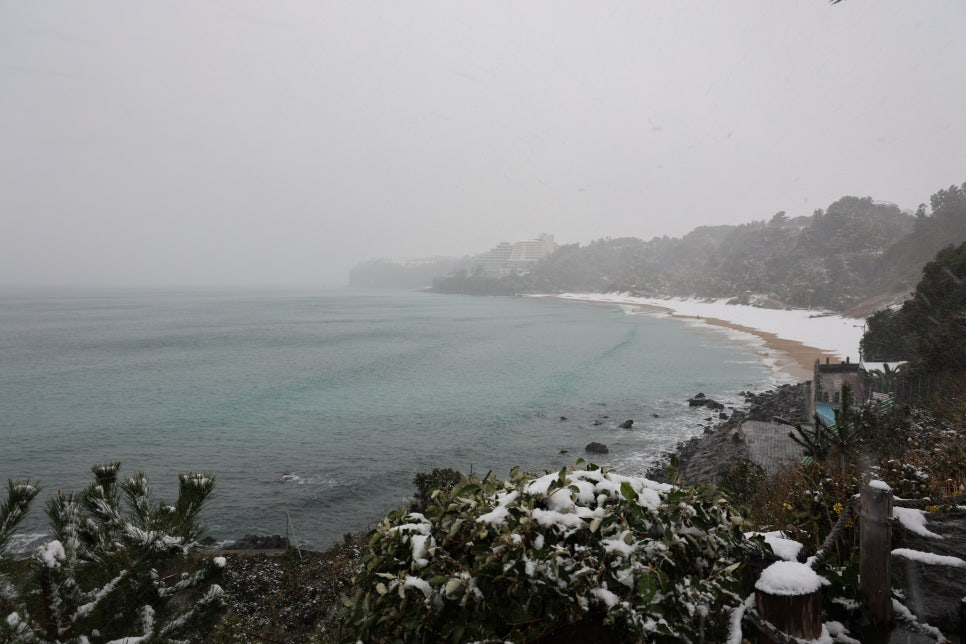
845, 439
930, 328
119, 565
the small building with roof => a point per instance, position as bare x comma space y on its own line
827, 381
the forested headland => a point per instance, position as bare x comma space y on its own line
857, 252
858, 255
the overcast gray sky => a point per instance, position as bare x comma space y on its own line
264, 143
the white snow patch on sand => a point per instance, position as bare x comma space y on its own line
817, 328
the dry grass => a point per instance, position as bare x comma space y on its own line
286, 598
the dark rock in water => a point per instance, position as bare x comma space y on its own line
722, 416
596, 448
563, 451
605, 416
596, 422
563, 418
627, 424
705, 402
655, 415
256, 542
699, 395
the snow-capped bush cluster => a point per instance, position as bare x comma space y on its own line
584, 548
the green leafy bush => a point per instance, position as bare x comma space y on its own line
439, 479
743, 480
119, 566
546, 556
806, 501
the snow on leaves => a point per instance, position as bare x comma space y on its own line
526, 557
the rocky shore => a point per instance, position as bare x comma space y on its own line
279, 594
704, 459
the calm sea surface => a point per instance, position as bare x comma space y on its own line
321, 406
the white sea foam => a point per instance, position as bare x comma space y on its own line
298, 479
21, 542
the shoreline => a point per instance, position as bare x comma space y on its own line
792, 359
795, 359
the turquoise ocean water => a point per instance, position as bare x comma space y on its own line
320, 406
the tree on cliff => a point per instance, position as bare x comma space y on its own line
899, 267
930, 328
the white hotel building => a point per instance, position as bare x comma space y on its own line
517, 257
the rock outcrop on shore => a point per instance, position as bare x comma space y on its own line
258, 542
705, 459
787, 401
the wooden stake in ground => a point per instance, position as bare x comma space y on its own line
788, 595
875, 551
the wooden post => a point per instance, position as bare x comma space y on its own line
875, 551
788, 595
799, 615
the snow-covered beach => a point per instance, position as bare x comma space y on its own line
791, 339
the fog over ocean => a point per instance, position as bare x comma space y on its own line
324, 404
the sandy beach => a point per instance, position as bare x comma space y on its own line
791, 339
792, 358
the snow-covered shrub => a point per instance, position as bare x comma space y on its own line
925, 455
118, 566
548, 556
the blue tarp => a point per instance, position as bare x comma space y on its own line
826, 413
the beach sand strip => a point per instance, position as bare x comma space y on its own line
792, 358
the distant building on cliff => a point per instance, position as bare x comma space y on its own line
518, 257
496, 259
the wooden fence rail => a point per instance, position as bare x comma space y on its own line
781, 618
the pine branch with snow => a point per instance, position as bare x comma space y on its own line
15, 624
13, 510
119, 566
